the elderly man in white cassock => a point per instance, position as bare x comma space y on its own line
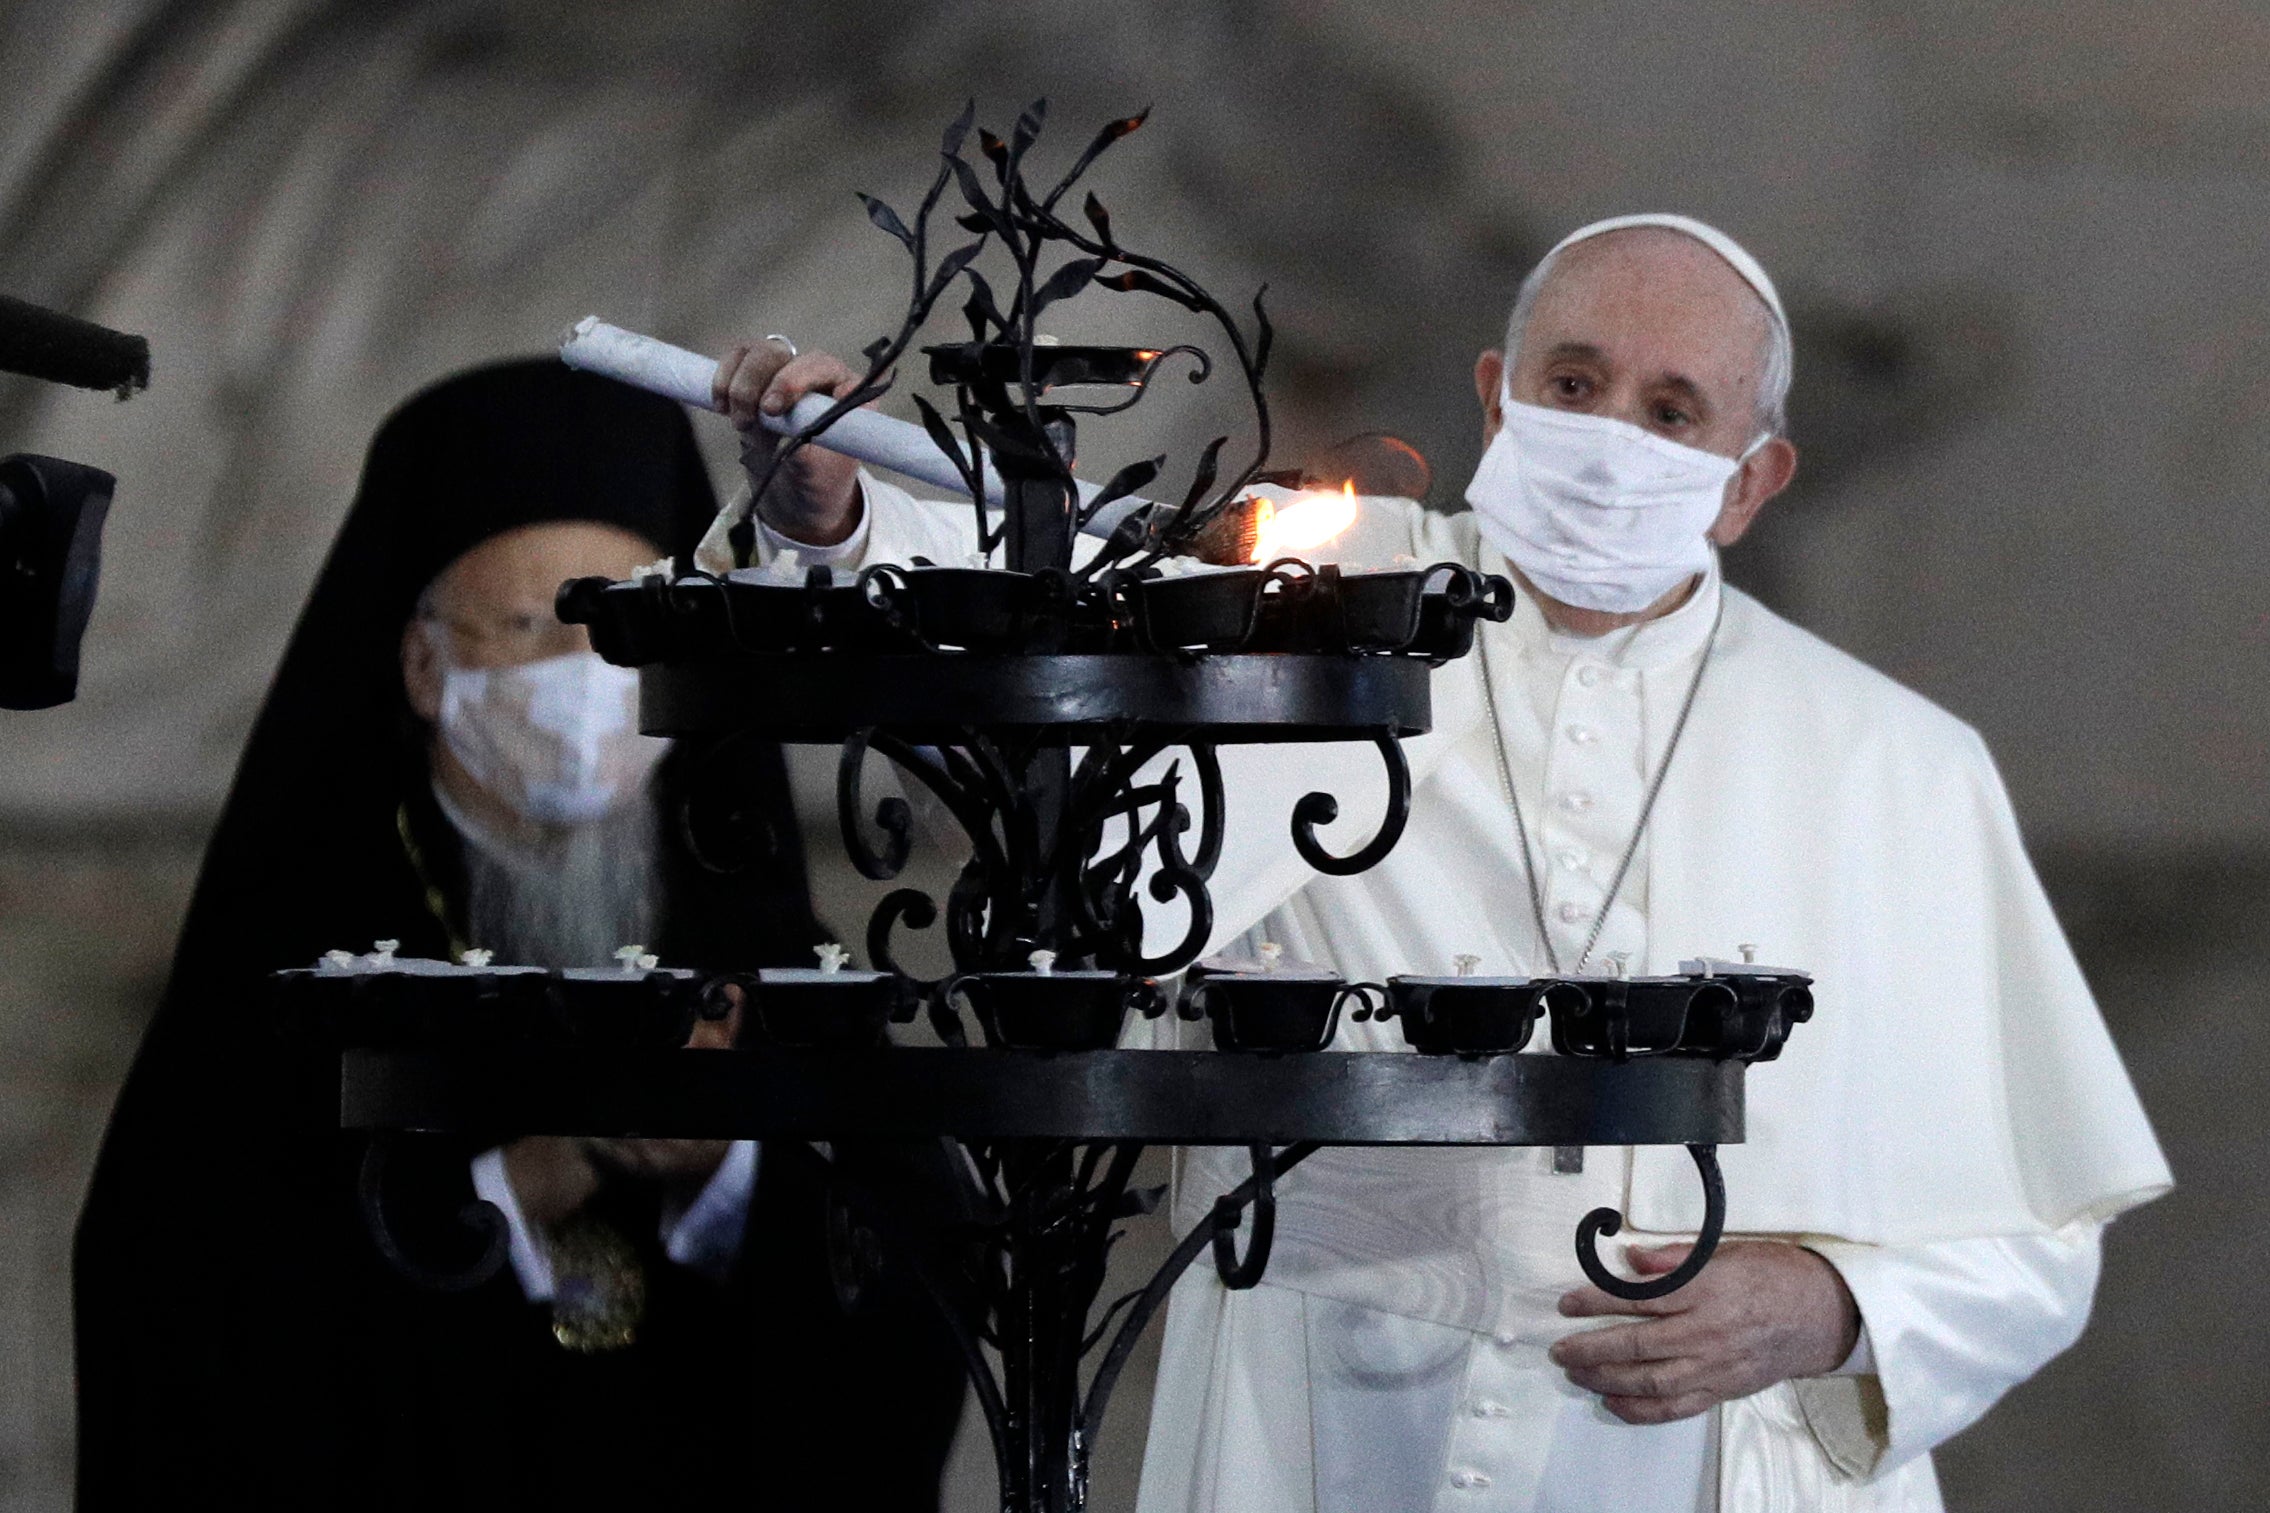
1643, 765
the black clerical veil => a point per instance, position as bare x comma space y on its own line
309, 854
240, 1344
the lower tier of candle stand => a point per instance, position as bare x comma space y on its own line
1051, 1141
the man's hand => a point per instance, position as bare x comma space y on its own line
814, 498
554, 1175
683, 1165
1762, 1312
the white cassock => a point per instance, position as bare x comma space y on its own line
1950, 1131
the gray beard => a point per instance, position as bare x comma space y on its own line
574, 902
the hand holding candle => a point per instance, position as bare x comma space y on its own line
811, 495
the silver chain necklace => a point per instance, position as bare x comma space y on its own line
1646, 808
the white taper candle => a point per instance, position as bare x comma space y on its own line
872, 437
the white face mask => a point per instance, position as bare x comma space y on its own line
1599, 513
555, 740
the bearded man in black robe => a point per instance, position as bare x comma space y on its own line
442, 764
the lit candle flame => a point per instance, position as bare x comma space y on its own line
1308, 519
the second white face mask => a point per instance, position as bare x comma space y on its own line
556, 740
1599, 513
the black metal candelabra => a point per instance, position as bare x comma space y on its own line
1044, 702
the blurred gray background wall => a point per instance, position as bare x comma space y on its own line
2025, 249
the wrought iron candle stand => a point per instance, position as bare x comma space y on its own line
1042, 703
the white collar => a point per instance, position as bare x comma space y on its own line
1662, 642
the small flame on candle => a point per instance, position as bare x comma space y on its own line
1308, 519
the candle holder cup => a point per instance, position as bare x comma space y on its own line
1376, 612
1719, 1016
1053, 1011
967, 608
617, 1010
1619, 1018
1756, 1025
1464, 1016
1274, 1011
1198, 611
813, 1009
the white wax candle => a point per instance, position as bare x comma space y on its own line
868, 435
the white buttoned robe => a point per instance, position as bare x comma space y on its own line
1950, 1131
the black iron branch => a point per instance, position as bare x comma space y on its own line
1027, 230
884, 353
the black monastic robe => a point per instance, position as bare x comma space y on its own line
241, 1344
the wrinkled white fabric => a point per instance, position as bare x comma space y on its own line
1598, 512
556, 740
1957, 1321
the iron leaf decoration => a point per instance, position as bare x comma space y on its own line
1029, 233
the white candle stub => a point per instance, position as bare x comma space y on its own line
340, 959
636, 959
1749, 953
476, 957
1271, 954
1464, 963
832, 956
382, 951
1043, 962
1621, 961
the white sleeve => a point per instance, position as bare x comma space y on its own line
771, 543
1951, 1326
893, 526
707, 1236
1862, 1361
531, 1263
